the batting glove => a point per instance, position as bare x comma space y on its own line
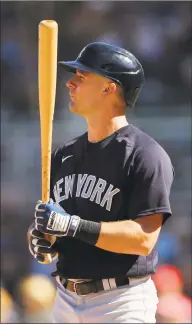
51, 218
39, 247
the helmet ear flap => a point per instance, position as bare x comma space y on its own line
131, 97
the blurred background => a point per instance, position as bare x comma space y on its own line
159, 34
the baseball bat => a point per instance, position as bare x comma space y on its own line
47, 75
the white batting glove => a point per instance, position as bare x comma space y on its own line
52, 219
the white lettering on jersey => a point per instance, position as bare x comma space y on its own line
57, 190
98, 190
109, 197
80, 182
88, 187
69, 182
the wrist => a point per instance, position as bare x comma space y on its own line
88, 231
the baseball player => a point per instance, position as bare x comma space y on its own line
109, 198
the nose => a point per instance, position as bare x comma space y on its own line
70, 83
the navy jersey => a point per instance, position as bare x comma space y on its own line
125, 176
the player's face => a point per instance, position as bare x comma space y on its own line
86, 91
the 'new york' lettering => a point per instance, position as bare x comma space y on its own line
88, 187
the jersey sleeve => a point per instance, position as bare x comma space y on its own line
152, 180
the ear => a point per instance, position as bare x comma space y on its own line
110, 88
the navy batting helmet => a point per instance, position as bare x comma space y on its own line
112, 62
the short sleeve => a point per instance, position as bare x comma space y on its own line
152, 175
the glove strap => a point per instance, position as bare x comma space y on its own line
73, 226
57, 222
67, 225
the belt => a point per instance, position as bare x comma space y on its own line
95, 286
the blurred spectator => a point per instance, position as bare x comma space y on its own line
36, 294
168, 279
8, 312
168, 247
174, 308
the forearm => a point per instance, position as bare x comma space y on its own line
136, 237
123, 237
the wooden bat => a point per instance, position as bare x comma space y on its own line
47, 74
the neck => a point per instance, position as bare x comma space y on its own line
99, 127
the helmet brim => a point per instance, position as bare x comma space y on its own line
73, 66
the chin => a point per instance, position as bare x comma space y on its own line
73, 108
76, 109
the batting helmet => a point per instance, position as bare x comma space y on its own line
112, 62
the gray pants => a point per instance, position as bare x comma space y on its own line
134, 303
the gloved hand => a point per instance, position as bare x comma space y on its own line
39, 247
51, 218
